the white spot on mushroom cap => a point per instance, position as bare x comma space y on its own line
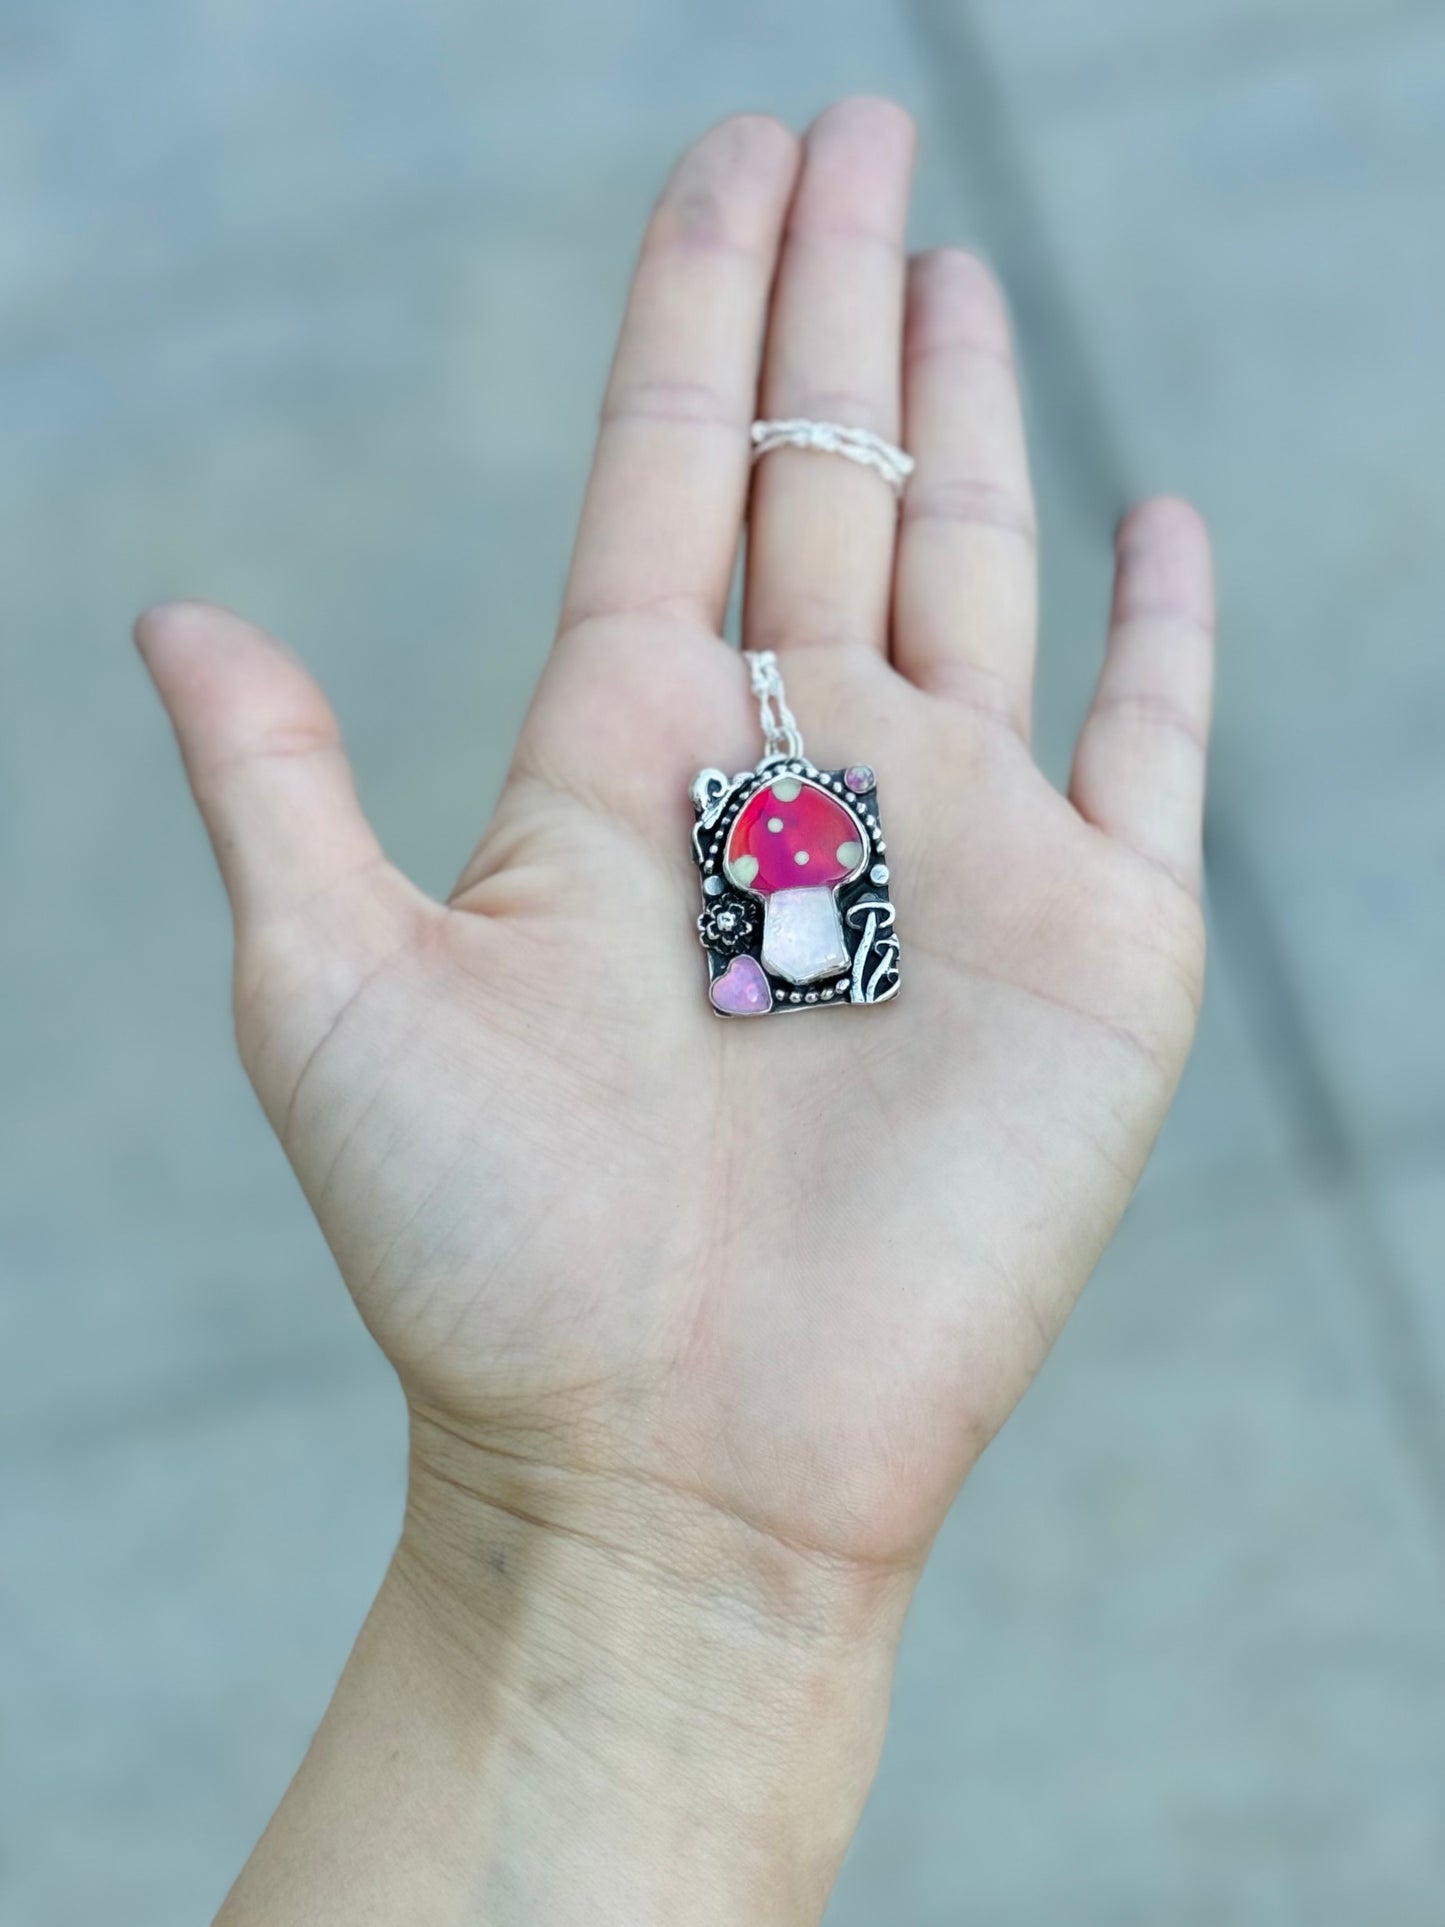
786, 789
743, 869
850, 855
800, 856
775, 823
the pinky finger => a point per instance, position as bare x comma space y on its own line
1139, 766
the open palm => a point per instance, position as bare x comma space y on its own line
796, 1270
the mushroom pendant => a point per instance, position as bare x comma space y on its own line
796, 913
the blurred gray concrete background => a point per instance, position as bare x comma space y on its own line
306, 307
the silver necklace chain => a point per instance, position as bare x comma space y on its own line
781, 735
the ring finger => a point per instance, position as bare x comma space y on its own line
821, 528
966, 593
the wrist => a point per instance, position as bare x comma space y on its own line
665, 1711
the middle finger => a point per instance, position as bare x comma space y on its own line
821, 528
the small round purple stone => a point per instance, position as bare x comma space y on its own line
860, 779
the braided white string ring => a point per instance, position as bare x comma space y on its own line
832, 438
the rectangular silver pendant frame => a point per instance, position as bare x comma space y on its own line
743, 975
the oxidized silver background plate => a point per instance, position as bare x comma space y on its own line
796, 913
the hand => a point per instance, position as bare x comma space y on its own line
742, 1301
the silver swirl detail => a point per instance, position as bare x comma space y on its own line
877, 916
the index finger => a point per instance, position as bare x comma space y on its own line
668, 489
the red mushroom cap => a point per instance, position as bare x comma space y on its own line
792, 835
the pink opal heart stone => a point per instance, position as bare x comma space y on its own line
742, 990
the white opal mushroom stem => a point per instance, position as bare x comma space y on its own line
802, 935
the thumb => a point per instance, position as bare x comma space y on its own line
264, 756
